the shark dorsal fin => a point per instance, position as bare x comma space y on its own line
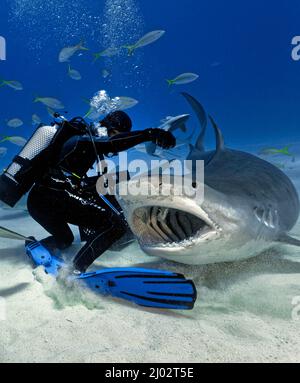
220, 146
202, 117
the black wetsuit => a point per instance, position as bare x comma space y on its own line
58, 198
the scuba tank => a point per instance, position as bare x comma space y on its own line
37, 155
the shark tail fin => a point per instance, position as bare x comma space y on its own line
170, 82
288, 240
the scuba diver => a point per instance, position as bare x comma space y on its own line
53, 166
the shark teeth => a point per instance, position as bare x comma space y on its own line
200, 236
168, 227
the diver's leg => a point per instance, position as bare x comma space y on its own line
44, 208
97, 245
106, 227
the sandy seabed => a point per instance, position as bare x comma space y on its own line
243, 313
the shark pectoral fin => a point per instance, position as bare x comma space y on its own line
288, 240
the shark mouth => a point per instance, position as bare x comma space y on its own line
169, 227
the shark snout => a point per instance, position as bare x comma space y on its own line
167, 223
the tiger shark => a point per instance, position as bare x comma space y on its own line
248, 206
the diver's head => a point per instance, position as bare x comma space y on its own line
116, 123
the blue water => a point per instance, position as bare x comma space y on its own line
241, 51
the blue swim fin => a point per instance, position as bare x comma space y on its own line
40, 256
145, 287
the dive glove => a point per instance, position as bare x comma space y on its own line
162, 138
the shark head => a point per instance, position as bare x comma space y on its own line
248, 204
180, 228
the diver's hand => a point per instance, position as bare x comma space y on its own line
162, 138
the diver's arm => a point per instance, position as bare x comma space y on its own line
122, 142
125, 141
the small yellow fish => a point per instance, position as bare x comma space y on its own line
66, 53
19, 141
74, 74
50, 102
147, 39
184, 78
109, 52
15, 123
124, 103
36, 119
16, 85
273, 151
